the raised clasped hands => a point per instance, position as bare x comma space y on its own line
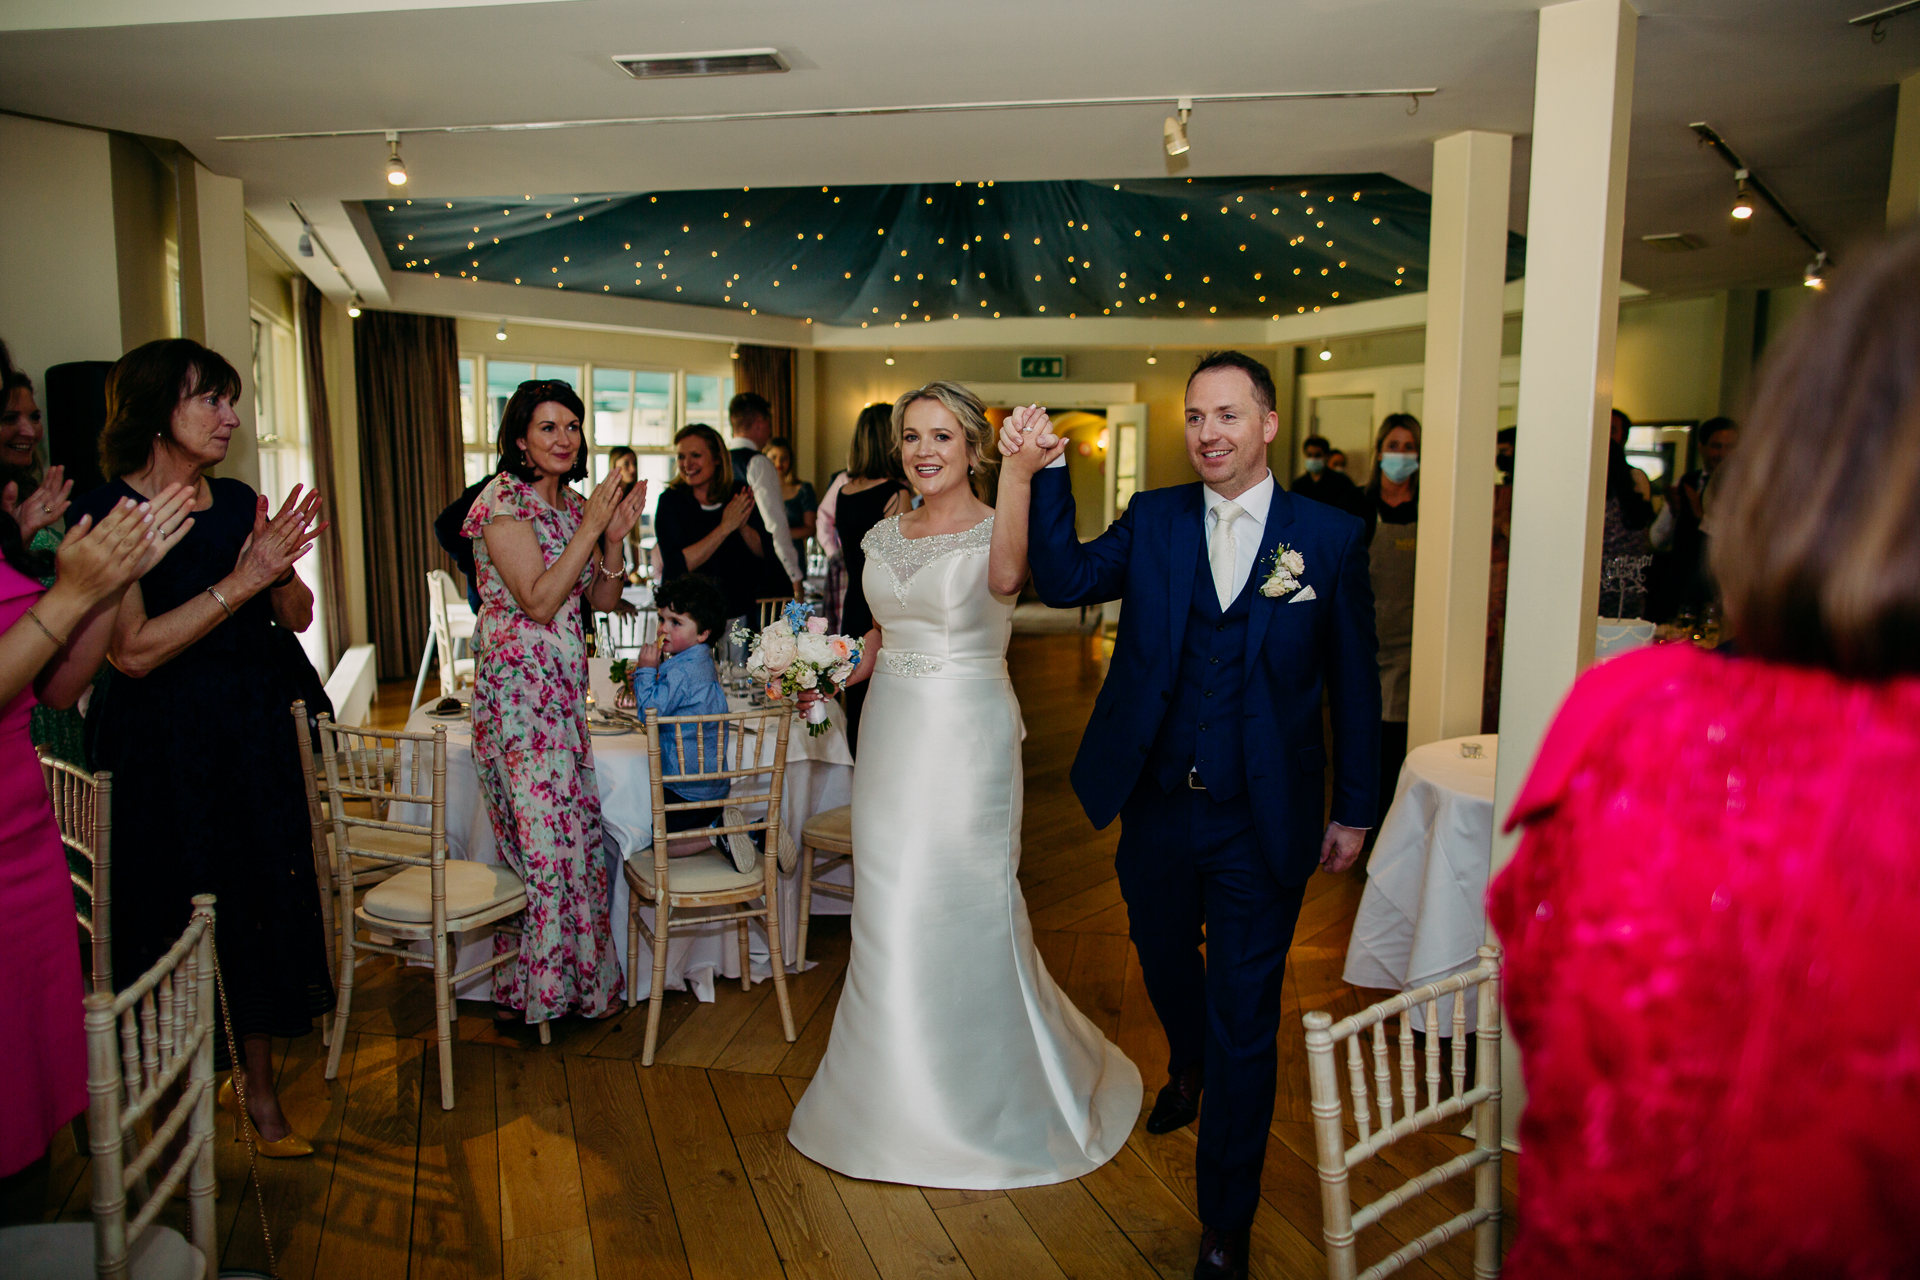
274, 545
627, 513
737, 511
98, 561
40, 508
1028, 442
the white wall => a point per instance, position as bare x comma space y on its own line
59, 274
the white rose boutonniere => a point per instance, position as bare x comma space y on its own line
1283, 575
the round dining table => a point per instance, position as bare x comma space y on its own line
819, 776
1423, 914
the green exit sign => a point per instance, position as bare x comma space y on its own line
1043, 367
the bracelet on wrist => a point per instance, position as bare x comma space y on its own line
58, 643
284, 582
220, 600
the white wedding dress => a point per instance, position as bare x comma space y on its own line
955, 1061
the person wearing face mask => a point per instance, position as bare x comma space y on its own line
1393, 520
1321, 483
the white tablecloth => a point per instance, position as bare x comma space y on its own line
819, 776
1423, 915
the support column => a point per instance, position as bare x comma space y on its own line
1466, 277
1903, 186
1582, 109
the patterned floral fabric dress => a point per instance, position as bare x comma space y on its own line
535, 760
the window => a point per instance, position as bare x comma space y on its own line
639, 408
285, 450
707, 400
476, 440
634, 408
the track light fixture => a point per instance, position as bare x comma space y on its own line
396, 167
889, 355
1326, 353
1815, 276
500, 334
1175, 130
353, 306
1742, 202
1152, 358
733, 353
306, 244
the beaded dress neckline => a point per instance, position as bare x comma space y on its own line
905, 557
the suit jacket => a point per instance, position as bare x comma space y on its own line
1295, 651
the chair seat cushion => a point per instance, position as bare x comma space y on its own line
702, 873
472, 887
64, 1251
830, 829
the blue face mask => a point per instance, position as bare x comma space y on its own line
1316, 465
1398, 466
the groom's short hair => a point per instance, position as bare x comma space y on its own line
1257, 373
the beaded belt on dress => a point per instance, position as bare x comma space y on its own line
905, 662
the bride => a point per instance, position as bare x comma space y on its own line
954, 1061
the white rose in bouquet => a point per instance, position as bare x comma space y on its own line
778, 649
814, 649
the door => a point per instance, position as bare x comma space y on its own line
1348, 422
1126, 447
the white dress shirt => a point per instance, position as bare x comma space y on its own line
765, 482
1248, 530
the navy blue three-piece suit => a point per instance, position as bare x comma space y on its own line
1206, 741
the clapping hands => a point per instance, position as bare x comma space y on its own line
97, 561
40, 508
274, 545
610, 515
1028, 442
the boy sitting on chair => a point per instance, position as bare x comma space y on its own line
676, 676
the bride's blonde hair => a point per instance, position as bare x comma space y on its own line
982, 457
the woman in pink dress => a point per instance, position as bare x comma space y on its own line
1710, 923
51, 643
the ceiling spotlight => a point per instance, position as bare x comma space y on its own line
889, 355
500, 334
734, 352
353, 306
1742, 202
1325, 353
306, 244
396, 167
1152, 358
1175, 130
1816, 273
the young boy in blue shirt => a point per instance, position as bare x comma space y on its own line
676, 676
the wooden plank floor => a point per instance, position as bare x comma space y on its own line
573, 1160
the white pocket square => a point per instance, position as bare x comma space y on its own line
1302, 596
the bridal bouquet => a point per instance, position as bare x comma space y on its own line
795, 653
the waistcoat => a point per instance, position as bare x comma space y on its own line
1204, 729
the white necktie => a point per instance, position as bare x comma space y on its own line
1221, 552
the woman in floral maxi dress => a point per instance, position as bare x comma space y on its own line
539, 547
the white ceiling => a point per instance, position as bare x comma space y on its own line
1808, 99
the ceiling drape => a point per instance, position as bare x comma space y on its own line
769, 371
408, 371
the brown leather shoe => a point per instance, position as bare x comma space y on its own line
1177, 1104
1223, 1255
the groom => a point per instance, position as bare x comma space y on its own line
1242, 604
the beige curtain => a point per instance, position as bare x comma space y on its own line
769, 371
408, 371
333, 592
